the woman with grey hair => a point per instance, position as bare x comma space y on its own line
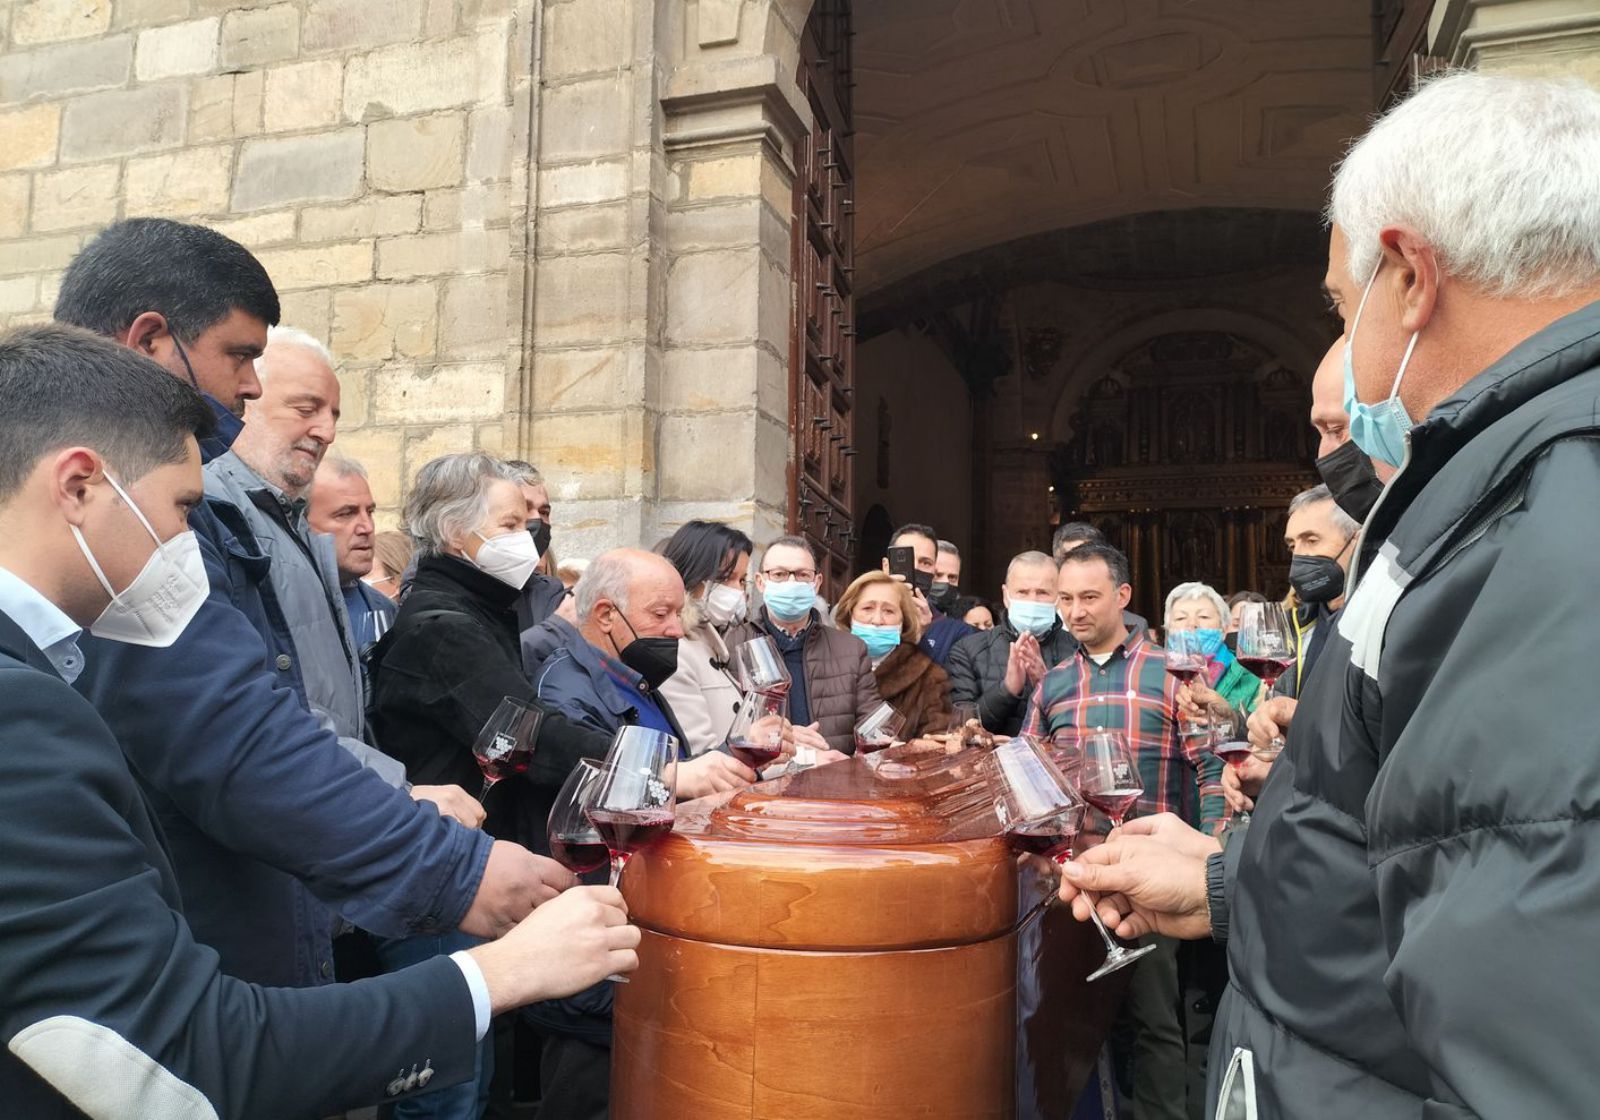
447, 662
1199, 607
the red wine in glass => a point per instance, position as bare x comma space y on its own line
755, 755
580, 853
626, 831
1234, 753
1184, 672
1269, 669
1114, 803
1050, 838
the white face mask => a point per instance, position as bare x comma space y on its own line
154, 609
724, 605
510, 557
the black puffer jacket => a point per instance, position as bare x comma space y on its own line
437, 677
1414, 907
977, 669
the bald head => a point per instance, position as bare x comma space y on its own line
629, 593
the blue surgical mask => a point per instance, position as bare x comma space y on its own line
789, 601
1378, 429
880, 639
1210, 641
1037, 619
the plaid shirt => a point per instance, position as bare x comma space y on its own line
1133, 693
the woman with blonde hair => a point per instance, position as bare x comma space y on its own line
880, 610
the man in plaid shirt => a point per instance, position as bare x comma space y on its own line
1117, 679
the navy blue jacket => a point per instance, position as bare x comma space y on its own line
942, 635
264, 812
105, 995
574, 681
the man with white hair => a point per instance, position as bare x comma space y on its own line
1412, 909
266, 477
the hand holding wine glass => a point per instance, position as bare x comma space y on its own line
757, 738
505, 744
1108, 779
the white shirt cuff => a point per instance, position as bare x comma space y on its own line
478, 987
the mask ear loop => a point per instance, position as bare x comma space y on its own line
1394, 390
83, 545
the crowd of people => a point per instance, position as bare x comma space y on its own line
239, 722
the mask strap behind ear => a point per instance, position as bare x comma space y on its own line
134, 506
1404, 362
83, 547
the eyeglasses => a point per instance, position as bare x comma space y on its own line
783, 575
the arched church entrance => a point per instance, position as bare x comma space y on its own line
1062, 260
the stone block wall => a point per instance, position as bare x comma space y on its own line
372, 153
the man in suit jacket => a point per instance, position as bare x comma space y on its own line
108, 1006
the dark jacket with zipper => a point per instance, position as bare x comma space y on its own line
977, 669
1413, 909
437, 676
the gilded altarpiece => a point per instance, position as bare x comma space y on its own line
1185, 455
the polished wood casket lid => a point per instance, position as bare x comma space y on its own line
847, 857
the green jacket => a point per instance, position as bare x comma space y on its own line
1239, 687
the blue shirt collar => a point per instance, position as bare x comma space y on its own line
216, 445
46, 625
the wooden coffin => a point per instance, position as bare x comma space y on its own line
845, 942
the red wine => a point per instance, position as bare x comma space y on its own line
1114, 803
1233, 754
1042, 838
630, 830
1269, 669
756, 756
581, 853
874, 743
503, 758
1183, 672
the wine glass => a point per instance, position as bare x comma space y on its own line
880, 728
1266, 643
759, 667
574, 841
963, 714
1186, 660
505, 745
636, 802
1033, 800
1228, 743
757, 735
1108, 779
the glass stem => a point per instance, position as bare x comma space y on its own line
1094, 916
488, 784
619, 860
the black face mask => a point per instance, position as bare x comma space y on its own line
922, 581
654, 659
1351, 479
1231, 641
942, 596
1316, 579
541, 535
